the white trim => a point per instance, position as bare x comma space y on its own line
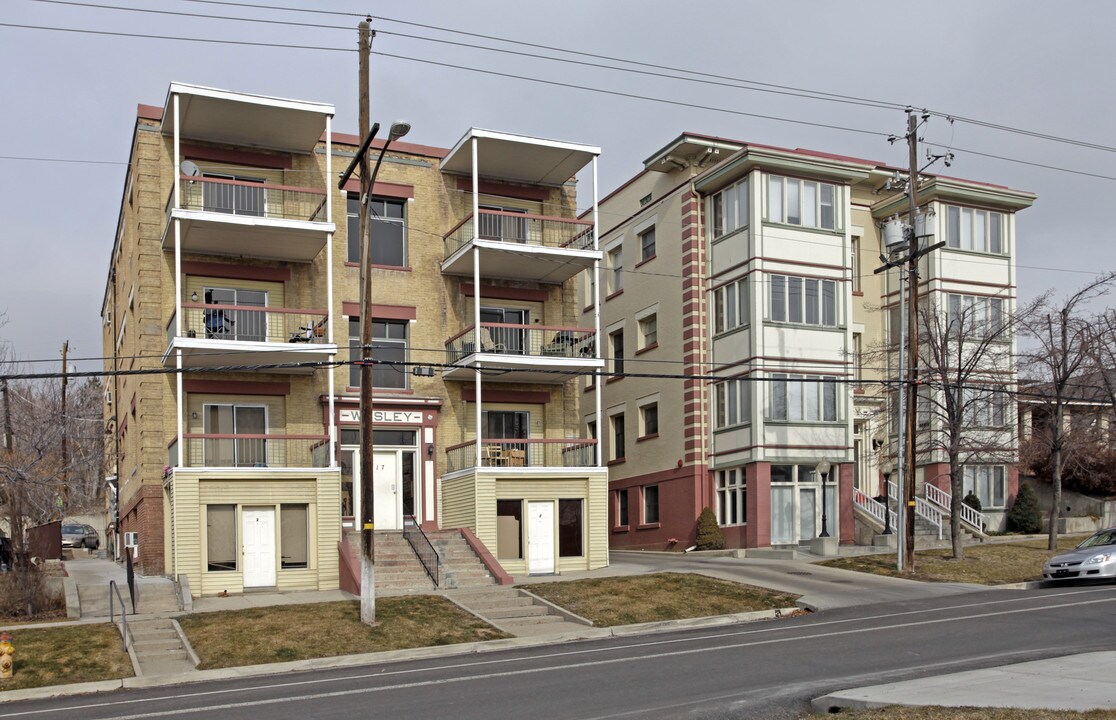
218, 94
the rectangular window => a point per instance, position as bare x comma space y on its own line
617, 436
649, 419
975, 315
622, 507
730, 303
812, 398
647, 244
648, 331
352, 226
220, 537
987, 482
803, 301
387, 232
731, 497
616, 339
854, 263
509, 529
801, 202
616, 267
732, 399
728, 209
389, 349
293, 536
977, 230
650, 504
569, 528
248, 423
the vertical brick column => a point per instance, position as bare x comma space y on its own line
695, 404
758, 510
844, 488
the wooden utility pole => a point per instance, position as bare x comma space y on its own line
65, 499
368, 549
912, 346
15, 483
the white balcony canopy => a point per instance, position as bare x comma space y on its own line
245, 120
518, 158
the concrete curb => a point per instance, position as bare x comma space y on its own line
390, 656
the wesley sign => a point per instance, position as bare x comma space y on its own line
396, 417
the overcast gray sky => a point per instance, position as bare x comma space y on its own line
1041, 66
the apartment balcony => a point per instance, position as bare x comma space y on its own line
517, 246
241, 218
517, 454
522, 353
204, 450
234, 335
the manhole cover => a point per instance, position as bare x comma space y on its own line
798, 572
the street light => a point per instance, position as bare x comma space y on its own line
887, 469
823, 470
399, 128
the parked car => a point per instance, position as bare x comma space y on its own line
1093, 559
77, 536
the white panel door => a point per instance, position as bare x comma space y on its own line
259, 547
386, 508
540, 538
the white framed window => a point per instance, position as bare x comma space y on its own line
648, 324
731, 497
647, 244
985, 407
728, 210
801, 202
616, 269
977, 230
854, 263
617, 447
730, 306
803, 398
802, 300
616, 351
732, 403
987, 482
975, 315
649, 419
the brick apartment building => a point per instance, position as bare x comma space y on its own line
235, 269
752, 266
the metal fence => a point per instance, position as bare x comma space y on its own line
519, 453
523, 229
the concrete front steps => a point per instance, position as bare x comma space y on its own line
461, 568
399, 571
513, 611
158, 649
153, 596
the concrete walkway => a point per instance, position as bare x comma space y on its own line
1074, 682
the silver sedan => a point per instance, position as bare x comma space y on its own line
1093, 559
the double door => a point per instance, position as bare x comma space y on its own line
395, 482
796, 512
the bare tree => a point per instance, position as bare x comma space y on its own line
1062, 344
966, 375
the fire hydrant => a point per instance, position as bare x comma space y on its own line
7, 651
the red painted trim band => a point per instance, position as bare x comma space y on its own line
236, 272
191, 151
236, 387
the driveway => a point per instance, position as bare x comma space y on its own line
820, 588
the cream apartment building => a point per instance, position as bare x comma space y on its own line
745, 274
235, 272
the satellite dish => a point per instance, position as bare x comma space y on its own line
190, 168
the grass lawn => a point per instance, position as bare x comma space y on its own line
301, 632
61, 655
941, 713
988, 563
661, 596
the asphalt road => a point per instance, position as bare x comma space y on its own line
768, 669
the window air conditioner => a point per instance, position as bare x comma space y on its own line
131, 539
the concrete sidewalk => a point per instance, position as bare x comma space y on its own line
1073, 682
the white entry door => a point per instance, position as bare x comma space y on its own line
386, 508
259, 547
540, 538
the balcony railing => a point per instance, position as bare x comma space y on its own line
504, 453
523, 229
255, 451
532, 340
249, 323
254, 199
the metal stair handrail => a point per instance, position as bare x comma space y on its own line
923, 509
970, 516
874, 508
113, 590
423, 548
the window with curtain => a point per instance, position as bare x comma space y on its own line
294, 546
220, 538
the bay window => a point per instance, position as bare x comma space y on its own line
802, 398
801, 202
973, 229
803, 301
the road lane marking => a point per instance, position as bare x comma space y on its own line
527, 671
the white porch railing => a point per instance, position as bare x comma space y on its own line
874, 508
970, 516
923, 509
